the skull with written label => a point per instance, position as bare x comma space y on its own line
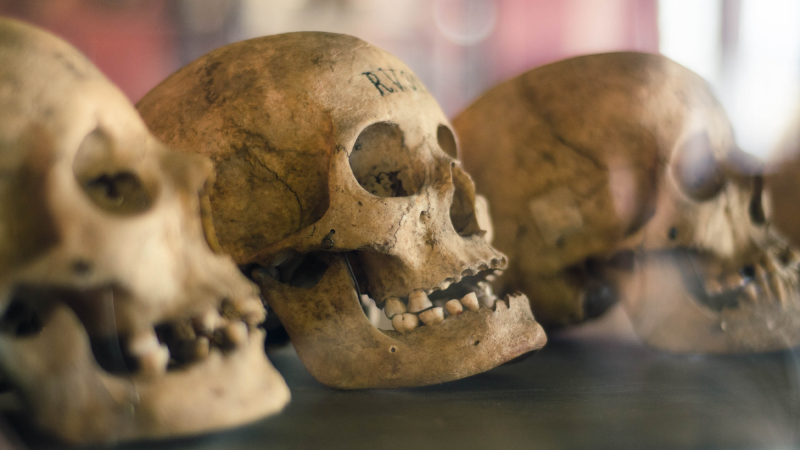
336, 175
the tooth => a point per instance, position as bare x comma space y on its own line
403, 323
155, 362
487, 300
751, 290
252, 311
202, 347
432, 316
143, 343
713, 287
418, 301
471, 301
454, 307
779, 289
394, 306
209, 321
236, 333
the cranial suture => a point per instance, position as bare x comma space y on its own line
117, 321
616, 177
336, 174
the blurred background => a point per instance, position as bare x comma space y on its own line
748, 49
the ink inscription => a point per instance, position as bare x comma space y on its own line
389, 81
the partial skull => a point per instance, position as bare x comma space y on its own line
617, 176
117, 321
336, 176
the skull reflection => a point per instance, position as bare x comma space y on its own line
616, 176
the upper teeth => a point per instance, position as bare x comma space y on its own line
394, 306
418, 301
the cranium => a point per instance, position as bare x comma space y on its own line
109, 294
334, 164
616, 176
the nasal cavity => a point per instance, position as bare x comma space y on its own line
383, 164
462, 210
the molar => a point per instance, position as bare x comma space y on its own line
432, 316
418, 301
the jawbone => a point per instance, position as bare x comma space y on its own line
342, 349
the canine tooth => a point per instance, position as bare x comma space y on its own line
143, 343
432, 316
155, 362
418, 301
403, 323
202, 347
454, 307
394, 306
471, 301
209, 321
236, 332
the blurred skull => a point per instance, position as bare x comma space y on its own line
616, 176
336, 176
110, 298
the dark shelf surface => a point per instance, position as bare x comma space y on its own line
574, 394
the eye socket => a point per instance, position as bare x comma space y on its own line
447, 141
116, 190
696, 170
384, 165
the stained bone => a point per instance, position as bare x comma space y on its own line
351, 186
626, 152
111, 216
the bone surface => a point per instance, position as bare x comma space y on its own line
330, 151
615, 177
102, 248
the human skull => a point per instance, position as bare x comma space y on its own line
109, 294
616, 176
334, 164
